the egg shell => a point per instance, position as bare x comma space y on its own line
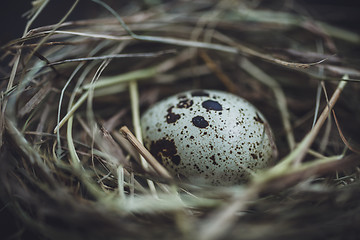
208, 137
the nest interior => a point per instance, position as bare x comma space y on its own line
69, 168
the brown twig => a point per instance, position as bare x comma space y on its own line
145, 153
345, 141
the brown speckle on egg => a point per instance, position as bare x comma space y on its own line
213, 160
186, 103
176, 159
200, 122
258, 118
171, 117
165, 148
181, 96
212, 105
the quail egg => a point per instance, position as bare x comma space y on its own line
208, 137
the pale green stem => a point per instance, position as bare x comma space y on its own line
134, 97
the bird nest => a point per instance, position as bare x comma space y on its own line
73, 93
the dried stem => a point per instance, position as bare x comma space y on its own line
310, 137
145, 153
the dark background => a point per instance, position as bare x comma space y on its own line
341, 13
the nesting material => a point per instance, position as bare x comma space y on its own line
72, 162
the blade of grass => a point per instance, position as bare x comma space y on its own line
28, 24
134, 99
343, 138
260, 75
110, 82
138, 74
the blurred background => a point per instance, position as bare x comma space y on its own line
340, 13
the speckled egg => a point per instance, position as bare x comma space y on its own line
208, 137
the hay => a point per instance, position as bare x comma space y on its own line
69, 168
